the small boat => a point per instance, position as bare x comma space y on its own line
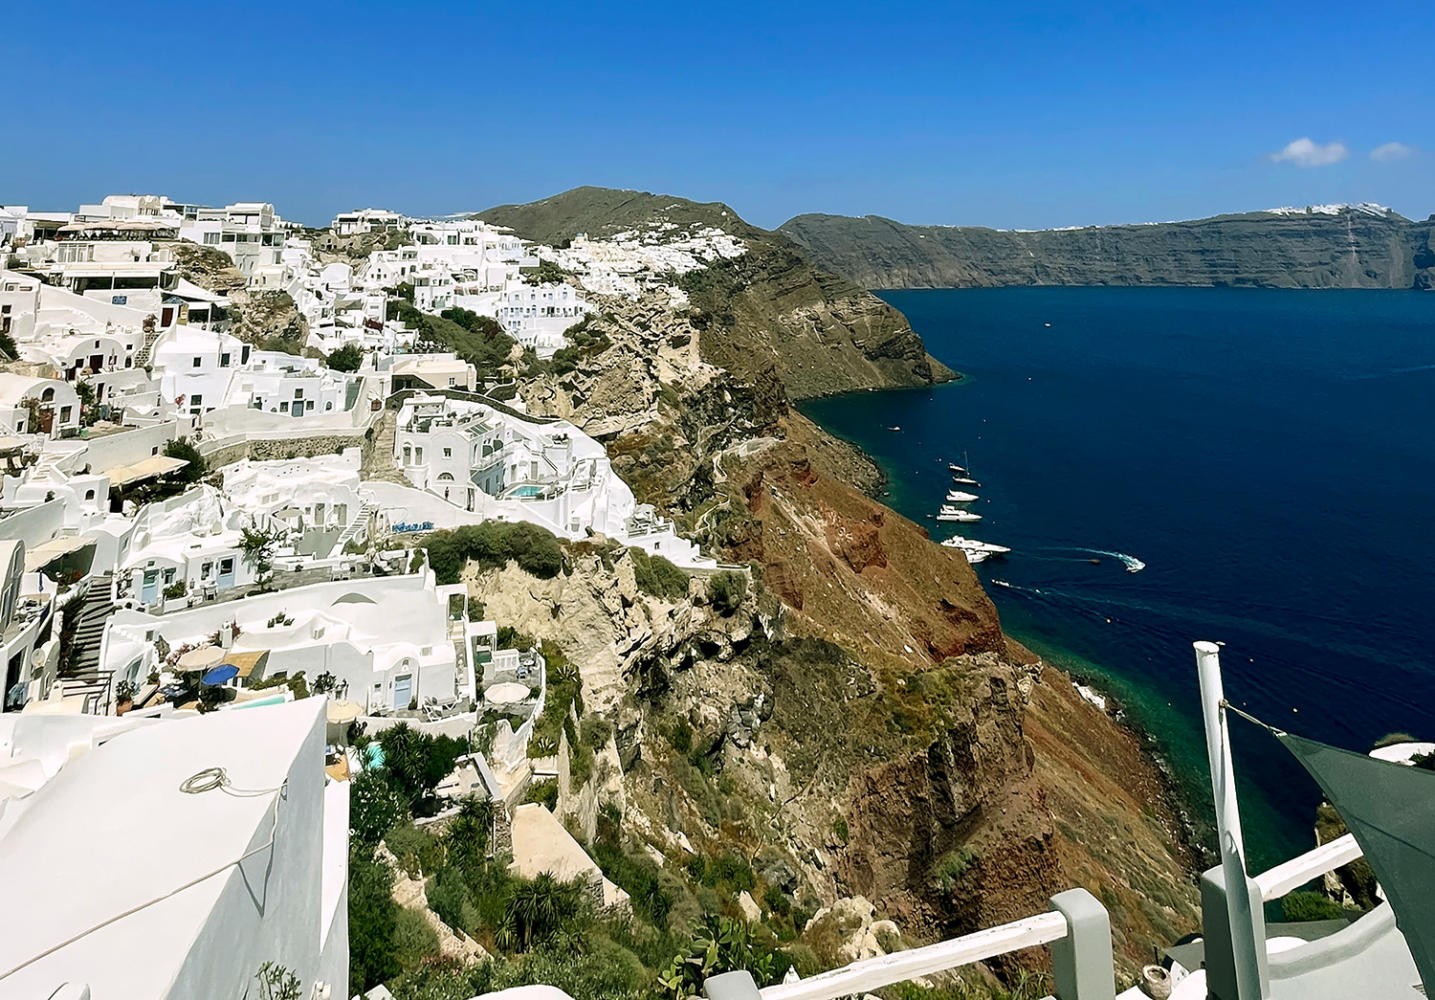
957, 496
950, 513
895, 429
974, 556
972, 545
964, 481
953, 467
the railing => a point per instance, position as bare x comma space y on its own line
1296, 872
1078, 930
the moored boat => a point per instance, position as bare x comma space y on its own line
950, 513
972, 545
957, 496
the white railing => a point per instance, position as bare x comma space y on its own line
887, 970
1296, 872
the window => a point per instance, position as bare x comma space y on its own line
309, 405
64, 414
448, 453
89, 494
197, 362
224, 360
211, 239
283, 407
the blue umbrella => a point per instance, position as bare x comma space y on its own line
222, 674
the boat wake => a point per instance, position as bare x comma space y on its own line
1390, 373
1130, 561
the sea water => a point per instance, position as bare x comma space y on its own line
1254, 467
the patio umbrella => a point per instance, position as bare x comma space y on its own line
201, 658
222, 674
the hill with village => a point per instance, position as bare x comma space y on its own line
578, 649
1319, 246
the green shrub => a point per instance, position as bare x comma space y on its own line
418, 852
952, 867
492, 544
1299, 907
181, 448
681, 736
373, 919
657, 577
414, 939
345, 359
726, 592
545, 793
416, 762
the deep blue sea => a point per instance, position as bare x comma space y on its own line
1267, 456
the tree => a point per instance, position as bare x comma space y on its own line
181, 448
416, 762
539, 909
375, 807
346, 359
257, 548
373, 920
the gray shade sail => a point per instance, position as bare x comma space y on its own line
1390, 810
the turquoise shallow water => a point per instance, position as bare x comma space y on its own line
1269, 456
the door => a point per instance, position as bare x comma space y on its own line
149, 592
403, 691
226, 573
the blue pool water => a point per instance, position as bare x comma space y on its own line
1269, 456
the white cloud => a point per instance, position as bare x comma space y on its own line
1390, 152
1305, 152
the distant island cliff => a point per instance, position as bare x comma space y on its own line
1340, 246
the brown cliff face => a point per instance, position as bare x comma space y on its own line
973, 782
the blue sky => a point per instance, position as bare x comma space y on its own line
1026, 116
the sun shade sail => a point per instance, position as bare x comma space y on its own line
1390, 810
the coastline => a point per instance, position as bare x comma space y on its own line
1180, 794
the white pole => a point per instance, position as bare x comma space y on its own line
1228, 823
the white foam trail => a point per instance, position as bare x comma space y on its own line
1411, 370
1132, 564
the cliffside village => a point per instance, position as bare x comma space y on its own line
192, 535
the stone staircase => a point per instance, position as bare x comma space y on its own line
90, 615
356, 525
379, 458
143, 354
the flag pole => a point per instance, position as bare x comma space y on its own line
1228, 823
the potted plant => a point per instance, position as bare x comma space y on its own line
125, 696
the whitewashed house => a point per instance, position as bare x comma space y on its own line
537, 315
513, 468
196, 367
250, 833
249, 233
390, 642
367, 220
45, 406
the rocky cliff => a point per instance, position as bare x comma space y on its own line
1353, 247
768, 313
861, 725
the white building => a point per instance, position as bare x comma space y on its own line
29, 641
366, 220
196, 367
38, 406
518, 469
390, 642
537, 315
172, 857
249, 233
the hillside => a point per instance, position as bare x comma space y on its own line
1348, 248
904, 749
768, 313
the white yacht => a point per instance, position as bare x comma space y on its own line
966, 481
957, 496
974, 557
950, 513
959, 470
972, 545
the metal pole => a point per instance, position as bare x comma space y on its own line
1228, 825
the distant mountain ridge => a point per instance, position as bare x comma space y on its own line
1327, 246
